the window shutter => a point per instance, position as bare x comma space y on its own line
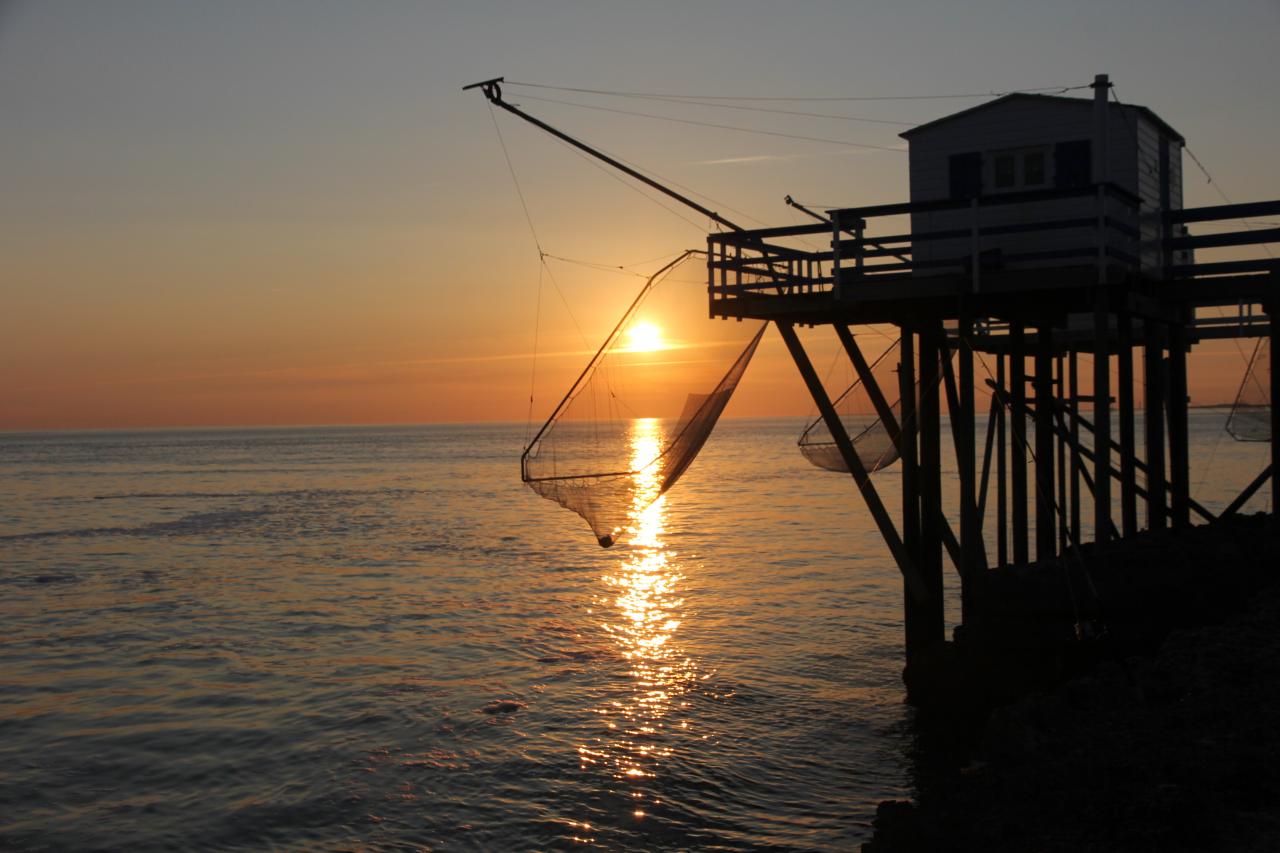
966, 175
1072, 164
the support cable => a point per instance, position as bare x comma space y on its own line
627, 94
719, 126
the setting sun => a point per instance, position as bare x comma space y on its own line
644, 337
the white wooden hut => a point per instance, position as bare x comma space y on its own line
1017, 158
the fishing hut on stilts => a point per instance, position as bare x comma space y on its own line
1044, 247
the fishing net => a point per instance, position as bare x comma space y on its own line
644, 405
872, 440
1250, 418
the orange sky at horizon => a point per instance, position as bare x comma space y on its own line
231, 215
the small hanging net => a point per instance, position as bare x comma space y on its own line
644, 405
872, 440
1250, 418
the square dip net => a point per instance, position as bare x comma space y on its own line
644, 406
872, 440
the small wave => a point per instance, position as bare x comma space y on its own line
286, 493
195, 523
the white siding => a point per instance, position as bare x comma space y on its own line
1133, 162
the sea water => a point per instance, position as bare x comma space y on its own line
375, 638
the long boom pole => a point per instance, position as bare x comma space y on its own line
492, 90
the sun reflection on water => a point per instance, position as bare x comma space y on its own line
643, 616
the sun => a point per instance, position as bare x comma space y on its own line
644, 337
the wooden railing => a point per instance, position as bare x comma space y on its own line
756, 261
1174, 239
1111, 234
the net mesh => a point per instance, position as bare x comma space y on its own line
645, 405
872, 440
1250, 418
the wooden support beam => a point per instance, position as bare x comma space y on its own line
1018, 440
909, 443
1249, 490
1153, 380
962, 439
1102, 416
1273, 307
972, 549
1176, 405
1060, 388
1124, 398
1046, 517
1002, 480
988, 445
910, 573
885, 412
1073, 394
931, 622
1064, 431
1088, 455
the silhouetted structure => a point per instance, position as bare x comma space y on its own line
1039, 229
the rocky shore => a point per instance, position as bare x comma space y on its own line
1169, 743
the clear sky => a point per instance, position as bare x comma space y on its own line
288, 212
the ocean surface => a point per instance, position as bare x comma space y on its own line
375, 638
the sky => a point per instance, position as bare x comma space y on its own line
269, 213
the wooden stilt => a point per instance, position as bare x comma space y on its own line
1124, 400
1046, 517
885, 413
932, 623
972, 548
1273, 315
1153, 368
1073, 392
984, 480
1139, 465
1176, 404
1002, 487
1060, 389
1018, 440
915, 584
1102, 417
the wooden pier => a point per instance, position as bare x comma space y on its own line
1026, 320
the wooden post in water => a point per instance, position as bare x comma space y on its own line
1060, 388
1153, 368
1101, 417
1002, 497
1018, 438
1124, 399
1273, 317
1073, 397
1179, 455
1046, 535
971, 545
931, 624
916, 614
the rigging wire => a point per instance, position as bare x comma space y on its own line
685, 96
700, 228
697, 102
719, 126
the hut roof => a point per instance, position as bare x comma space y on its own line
1057, 99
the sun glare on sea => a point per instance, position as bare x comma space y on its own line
644, 337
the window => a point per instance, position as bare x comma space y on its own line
1033, 168
965, 172
1018, 169
1006, 171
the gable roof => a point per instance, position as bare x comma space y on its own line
1057, 99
